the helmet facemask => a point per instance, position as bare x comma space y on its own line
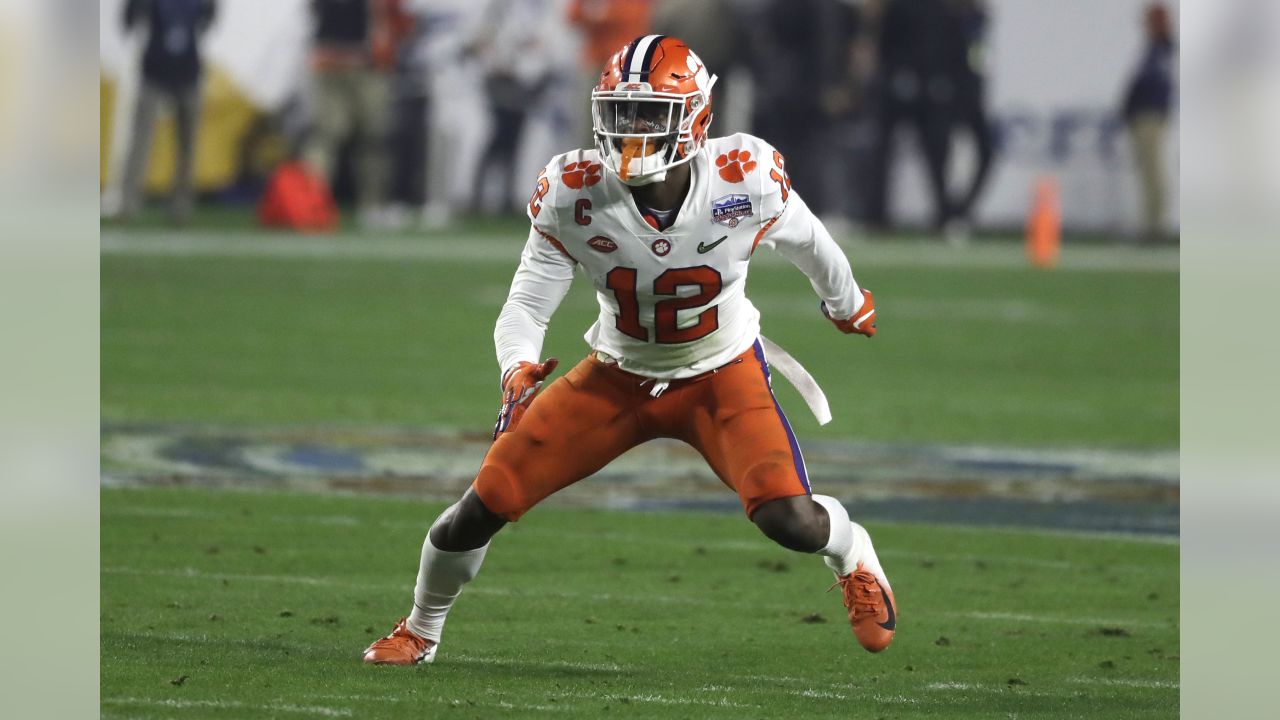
641, 134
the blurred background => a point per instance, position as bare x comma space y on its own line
947, 117
1001, 174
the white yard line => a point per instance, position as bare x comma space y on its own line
192, 514
953, 686
320, 710
452, 702
658, 699
551, 665
506, 249
1055, 620
809, 693
784, 679
1126, 682
205, 639
345, 247
194, 574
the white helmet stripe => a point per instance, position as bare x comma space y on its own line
641, 55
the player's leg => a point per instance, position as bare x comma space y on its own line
187, 118
141, 132
796, 523
332, 119
372, 91
737, 425
572, 429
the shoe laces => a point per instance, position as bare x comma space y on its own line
860, 596
402, 633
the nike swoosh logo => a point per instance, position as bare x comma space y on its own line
892, 622
705, 248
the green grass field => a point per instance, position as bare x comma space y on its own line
247, 605
228, 604
973, 347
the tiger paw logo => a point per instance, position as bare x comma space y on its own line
578, 175
735, 165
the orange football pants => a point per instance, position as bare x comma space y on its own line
583, 420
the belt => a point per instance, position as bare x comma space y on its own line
659, 386
790, 368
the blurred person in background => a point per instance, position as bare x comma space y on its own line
712, 26
605, 26
171, 72
850, 47
352, 60
516, 51
796, 61
412, 106
918, 83
971, 111
452, 82
1148, 103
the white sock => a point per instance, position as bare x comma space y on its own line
839, 553
849, 543
441, 576
867, 554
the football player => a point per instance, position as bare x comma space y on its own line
664, 221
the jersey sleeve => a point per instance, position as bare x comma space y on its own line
542, 204
790, 227
540, 283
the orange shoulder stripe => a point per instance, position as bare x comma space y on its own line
556, 243
763, 230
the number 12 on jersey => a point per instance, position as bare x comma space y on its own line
622, 281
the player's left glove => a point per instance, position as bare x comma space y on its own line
863, 322
520, 384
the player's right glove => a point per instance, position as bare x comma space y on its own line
520, 384
863, 321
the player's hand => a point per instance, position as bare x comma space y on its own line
519, 386
863, 322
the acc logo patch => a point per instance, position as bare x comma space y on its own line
730, 209
661, 247
602, 244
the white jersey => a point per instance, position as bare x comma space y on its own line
672, 302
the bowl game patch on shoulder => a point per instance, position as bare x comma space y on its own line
729, 210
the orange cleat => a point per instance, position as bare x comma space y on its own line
872, 611
401, 647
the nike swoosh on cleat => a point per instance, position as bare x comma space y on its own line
892, 622
705, 248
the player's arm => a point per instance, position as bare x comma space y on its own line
799, 236
540, 284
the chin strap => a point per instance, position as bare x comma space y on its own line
638, 180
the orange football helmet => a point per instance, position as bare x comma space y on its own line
651, 109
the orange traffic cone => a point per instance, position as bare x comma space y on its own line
1044, 224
